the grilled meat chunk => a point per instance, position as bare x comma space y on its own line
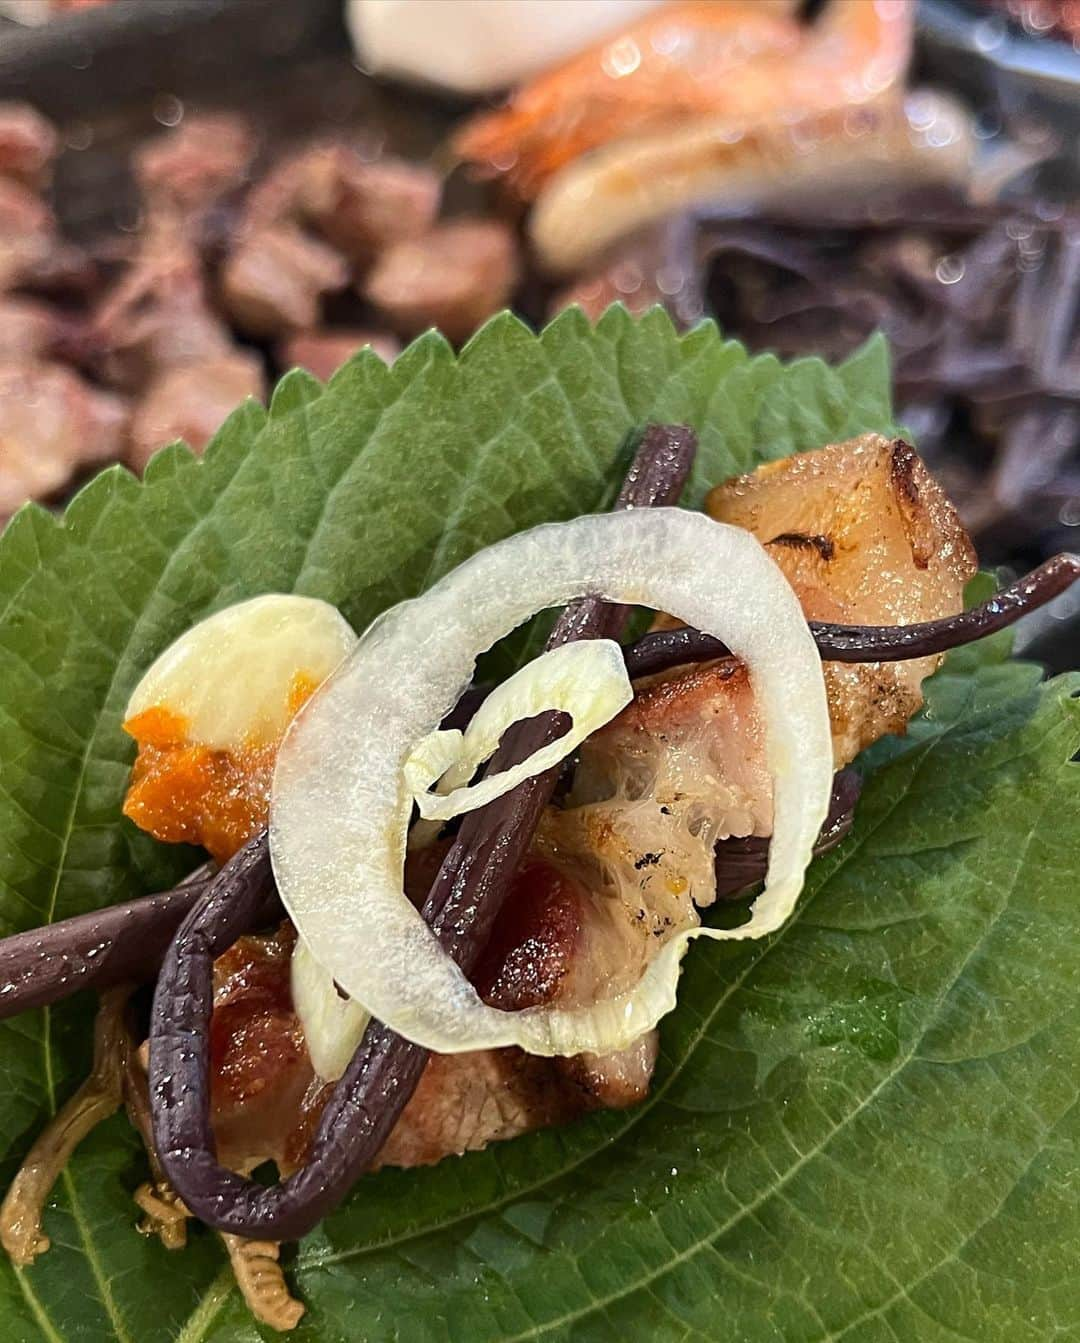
358, 206
158, 315
453, 278
27, 144
51, 424
322, 352
28, 329
190, 401
274, 280
865, 535
186, 170
27, 233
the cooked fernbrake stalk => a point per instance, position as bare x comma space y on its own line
664, 649
98, 1097
255, 1265
116, 945
165, 1214
460, 908
869, 643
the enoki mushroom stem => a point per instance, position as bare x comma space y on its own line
98, 1097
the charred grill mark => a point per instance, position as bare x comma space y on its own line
647, 860
805, 541
903, 467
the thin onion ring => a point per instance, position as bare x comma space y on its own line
587, 680
345, 753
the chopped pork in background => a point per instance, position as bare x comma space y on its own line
239, 258
452, 277
51, 424
190, 401
323, 352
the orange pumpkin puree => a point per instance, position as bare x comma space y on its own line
184, 792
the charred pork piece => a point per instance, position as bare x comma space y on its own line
27, 233
865, 535
260, 1067
28, 329
681, 768
158, 316
453, 278
187, 170
51, 425
274, 280
363, 207
322, 352
358, 206
190, 401
266, 1101
27, 145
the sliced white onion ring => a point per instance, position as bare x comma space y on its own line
586, 680
340, 803
333, 1025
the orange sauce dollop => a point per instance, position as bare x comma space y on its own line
185, 792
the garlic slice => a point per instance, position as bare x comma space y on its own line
234, 675
341, 802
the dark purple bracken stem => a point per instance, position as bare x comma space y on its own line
664, 649
464, 900
116, 945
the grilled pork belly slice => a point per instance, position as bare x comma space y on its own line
681, 768
259, 1066
266, 1101
865, 535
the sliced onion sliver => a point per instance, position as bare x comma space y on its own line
340, 803
333, 1025
587, 680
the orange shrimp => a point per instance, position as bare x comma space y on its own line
742, 60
